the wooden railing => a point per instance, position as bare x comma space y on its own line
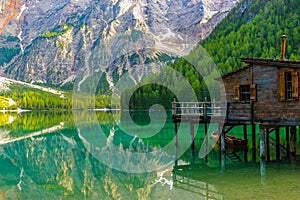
205, 108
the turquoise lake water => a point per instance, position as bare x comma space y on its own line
101, 155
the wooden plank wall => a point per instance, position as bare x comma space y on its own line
268, 104
236, 108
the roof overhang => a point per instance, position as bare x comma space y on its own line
272, 62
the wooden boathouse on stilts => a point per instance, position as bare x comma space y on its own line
264, 93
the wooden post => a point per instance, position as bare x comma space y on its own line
262, 154
183, 111
222, 141
213, 107
174, 107
246, 138
253, 143
293, 141
205, 109
192, 133
245, 132
287, 135
268, 144
262, 143
206, 142
222, 147
176, 144
277, 144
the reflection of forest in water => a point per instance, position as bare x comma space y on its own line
18, 125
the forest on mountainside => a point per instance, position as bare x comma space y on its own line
255, 31
35, 99
252, 29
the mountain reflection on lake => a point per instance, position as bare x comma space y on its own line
45, 156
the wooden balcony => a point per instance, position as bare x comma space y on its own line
199, 112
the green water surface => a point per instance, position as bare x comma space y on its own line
47, 156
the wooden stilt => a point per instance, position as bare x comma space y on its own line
176, 144
222, 141
287, 132
245, 132
246, 138
253, 143
192, 143
222, 147
277, 144
293, 141
262, 143
268, 144
206, 142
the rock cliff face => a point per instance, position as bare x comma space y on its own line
61, 39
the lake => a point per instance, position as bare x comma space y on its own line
103, 155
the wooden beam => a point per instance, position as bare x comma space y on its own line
176, 143
268, 144
293, 141
192, 134
253, 143
277, 143
287, 139
206, 142
262, 143
245, 132
222, 135
246, 138
222, 146
228, 129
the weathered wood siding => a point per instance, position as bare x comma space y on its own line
268, 104
236, 108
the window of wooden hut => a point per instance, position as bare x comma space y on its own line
245, 93
288, 85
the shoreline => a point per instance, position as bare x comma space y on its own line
19, 110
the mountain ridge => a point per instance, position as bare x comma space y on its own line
171, 27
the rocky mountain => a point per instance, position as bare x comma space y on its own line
56, 41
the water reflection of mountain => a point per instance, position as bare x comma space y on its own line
58, 166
